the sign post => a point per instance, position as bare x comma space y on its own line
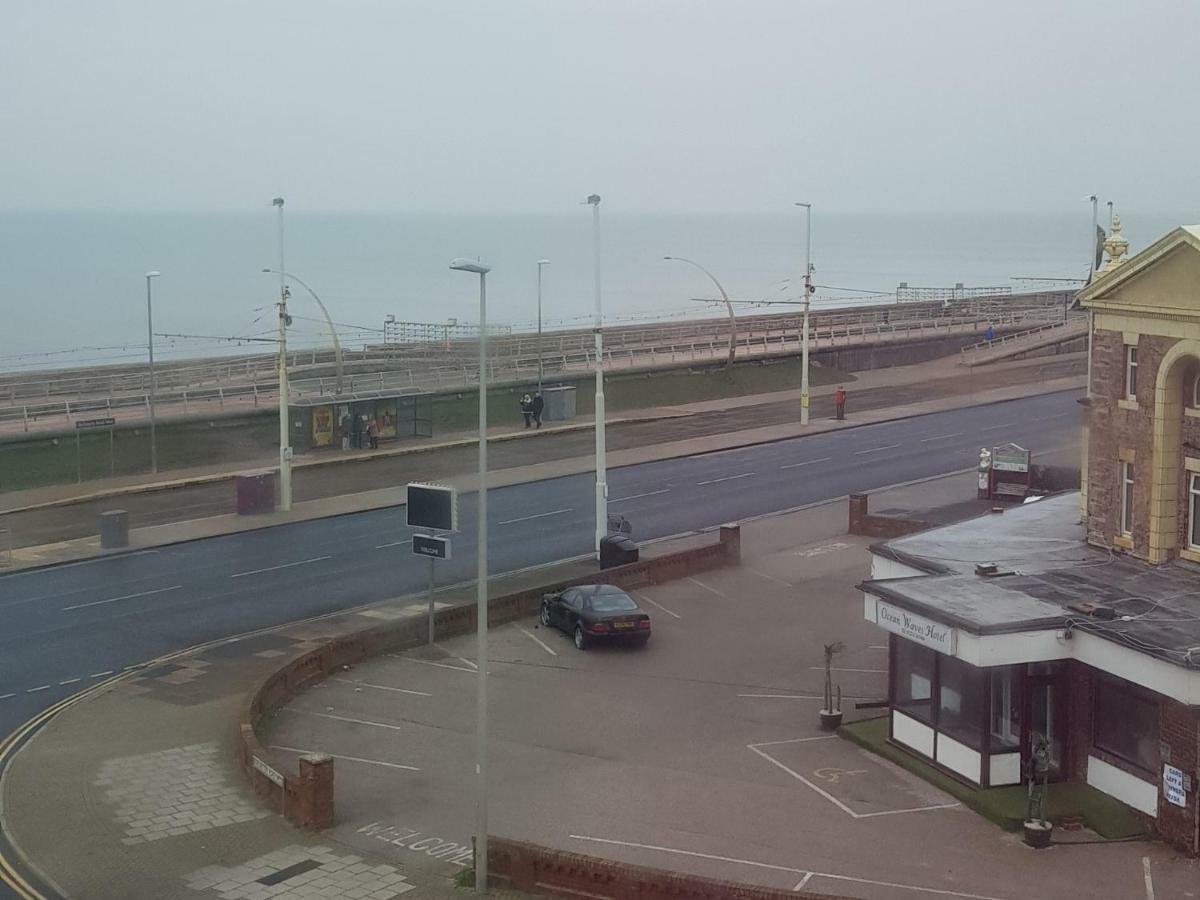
83, 424
432, 506
434, 547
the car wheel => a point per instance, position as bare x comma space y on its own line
545, 616
580, 638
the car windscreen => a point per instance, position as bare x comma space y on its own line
613, 602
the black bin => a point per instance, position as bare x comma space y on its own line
617, 550
255, 492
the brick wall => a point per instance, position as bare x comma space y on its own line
557, 873
867, 525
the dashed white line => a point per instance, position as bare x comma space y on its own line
306, 712
941, 437
358, 759
393, 544
553, 512
69, 681
301, 562
998, 427
381, 687
807, 462
533, 637
837, 669
126, 597
876, 449
783, 696
6, 696
726, 478
699, 583
639, 496
36, 689
753, 571
646, 599
429, 662
100, 674
802, 882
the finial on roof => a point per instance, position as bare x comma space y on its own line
1115, 245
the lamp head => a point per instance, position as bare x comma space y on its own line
805, 205
278, 201
154, 274
462, 264
593, 200
543, 262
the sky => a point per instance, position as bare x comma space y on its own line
663, 105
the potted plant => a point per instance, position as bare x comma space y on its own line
831, 713
1037, 830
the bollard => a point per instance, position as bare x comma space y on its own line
114, 529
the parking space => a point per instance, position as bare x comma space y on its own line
701, 751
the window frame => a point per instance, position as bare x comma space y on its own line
1127, 483
1193, 509
1131, 371
1194, 399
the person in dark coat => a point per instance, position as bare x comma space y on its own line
539, 404
527, 409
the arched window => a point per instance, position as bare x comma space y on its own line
1193, 399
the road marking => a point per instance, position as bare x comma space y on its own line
753, 571
429, 662
726, 478
100, 674
463, 659
784, 696
533, 637
126, 597
803, 740
69, 681
876, 449
302, 562
837, 669
877, 647
393, 544
824, 548
553, 512
381, 687
81, 562
998, 427
646, 599
942, 437
306, 712
358, 759
943, 892
1149, 880
639, 496
697, 581
807, 462
802, 882
36, 689
7, 696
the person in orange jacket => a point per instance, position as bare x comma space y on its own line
839, 402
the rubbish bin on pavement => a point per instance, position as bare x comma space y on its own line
255, 492
114, 529
617, 550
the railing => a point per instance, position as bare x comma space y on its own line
1005, 341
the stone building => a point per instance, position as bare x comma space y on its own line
1083, 632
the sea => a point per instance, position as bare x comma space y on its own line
73, 287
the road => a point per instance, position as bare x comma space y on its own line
69, 625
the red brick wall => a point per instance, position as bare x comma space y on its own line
557, 873
862, 523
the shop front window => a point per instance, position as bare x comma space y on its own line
960, 701
1125, 723
912, 679
1006, 710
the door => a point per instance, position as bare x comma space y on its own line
1046, 715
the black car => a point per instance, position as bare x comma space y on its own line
596, 612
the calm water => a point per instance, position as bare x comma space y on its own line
73, 282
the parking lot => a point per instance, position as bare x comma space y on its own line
700, 752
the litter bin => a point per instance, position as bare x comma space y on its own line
617, 550
560, 403
114, 529
255, 492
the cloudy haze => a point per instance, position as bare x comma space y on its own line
657, 104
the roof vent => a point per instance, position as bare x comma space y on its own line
985, 569
1095, 610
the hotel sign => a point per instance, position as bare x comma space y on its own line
917, 629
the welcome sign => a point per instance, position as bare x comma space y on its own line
917, 629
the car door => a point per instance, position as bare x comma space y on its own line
572, 604
558, 609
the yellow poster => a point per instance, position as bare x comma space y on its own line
322, 426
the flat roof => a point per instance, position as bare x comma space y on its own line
1050, 568
339, 399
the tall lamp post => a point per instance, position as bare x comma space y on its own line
1095, 201
593, 200
481, 575
337, 345
540, 264
725, 297
285, 441
807, 303
150, 346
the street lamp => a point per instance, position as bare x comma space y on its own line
337, 345
593, 200
481, 576
540, 263
150, 346
285, 442
807, 295
1095, 201
725, 297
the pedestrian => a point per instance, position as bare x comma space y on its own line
373, 433
990, 334
527, 409
345, 428
539, 404
839, 402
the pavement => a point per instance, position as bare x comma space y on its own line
718, 768
58, 524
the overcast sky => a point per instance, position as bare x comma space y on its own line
656, 104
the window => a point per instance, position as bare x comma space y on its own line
1131, 371
1194, 510
912, 679
608, 599
1127, 498
1006, 710
573, 599
960, 701
1194, 396
1125, 723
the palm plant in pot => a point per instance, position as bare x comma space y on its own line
831, 713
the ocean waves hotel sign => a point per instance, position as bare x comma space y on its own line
917, 629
